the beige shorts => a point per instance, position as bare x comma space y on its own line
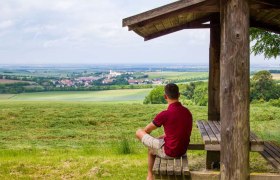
156, 145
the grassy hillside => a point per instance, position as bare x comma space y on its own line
80, 140
127, 95
177, 75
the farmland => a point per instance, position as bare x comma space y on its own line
177, 75
8, 81
129, 95
70, 139
276, 76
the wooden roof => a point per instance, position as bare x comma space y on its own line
192, 14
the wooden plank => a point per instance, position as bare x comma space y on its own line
167, 9
203, 132
215, 130
270, 149
275, 146
212, 147
218, 125
177, 167
156, 166
273, 162
169, 28
256, 147
235, 89
159, 26
214, 175
214, 70
210, 133
196, 147
170, 167
163, 167
185, 166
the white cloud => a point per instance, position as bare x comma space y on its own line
6, 24
78, 30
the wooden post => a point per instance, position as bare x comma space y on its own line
214, 71
213, 157
234, 89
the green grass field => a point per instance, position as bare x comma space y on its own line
6, 96
124, 96
177, 75
89, 140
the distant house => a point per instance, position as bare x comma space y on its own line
157, 81
86, 79
132, 81
107, 81
67, 82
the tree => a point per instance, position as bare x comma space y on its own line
264, 87
265, 42
200, 95
156, 96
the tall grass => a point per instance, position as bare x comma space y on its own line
83, 140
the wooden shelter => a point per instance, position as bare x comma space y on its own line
229, 62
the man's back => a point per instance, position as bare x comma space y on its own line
177, 123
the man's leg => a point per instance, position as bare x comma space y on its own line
140, 133
151, 158
151, 161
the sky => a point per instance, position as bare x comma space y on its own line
91, 32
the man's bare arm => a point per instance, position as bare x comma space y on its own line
149, 128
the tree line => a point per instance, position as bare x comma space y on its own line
21, 87
262, 88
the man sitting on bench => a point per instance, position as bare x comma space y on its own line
177, 124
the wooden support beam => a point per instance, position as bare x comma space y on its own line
169, 9
214, 71
198, 24
235, 56
175, 29
213, 157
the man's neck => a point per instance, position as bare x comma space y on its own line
171, 101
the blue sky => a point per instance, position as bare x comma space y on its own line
90, 31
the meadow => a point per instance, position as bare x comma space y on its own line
177, 75
8, 81
127, 95
90, 140
276, 76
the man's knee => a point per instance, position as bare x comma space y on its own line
140, 133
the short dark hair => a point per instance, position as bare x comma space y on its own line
172, 91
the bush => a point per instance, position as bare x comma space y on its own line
275, 102
156, 96
200, 96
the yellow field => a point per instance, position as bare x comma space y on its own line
8, 81
276, 76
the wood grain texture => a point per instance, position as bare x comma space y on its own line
214, 70
161, 11
163, 166
234, 89
272, 154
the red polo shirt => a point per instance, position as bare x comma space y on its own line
177, 124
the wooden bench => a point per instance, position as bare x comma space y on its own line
210, 132
272, 154
171, 168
